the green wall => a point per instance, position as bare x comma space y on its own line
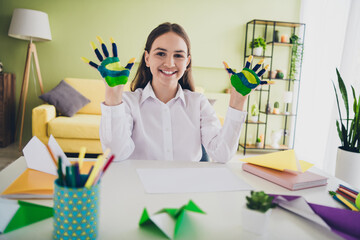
216, 30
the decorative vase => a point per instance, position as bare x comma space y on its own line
277, 36
272, 74
255, 118
255, 221
275, 138
347, 167
257, 51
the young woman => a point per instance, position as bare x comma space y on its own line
162, 118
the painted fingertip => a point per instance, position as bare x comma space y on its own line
261, 61
267, 66
93, 45
132, 60
250, 58
99, 39
85, 59
225, 64
112, 40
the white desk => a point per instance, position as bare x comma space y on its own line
123, 199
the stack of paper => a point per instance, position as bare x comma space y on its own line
284, 169
17, 214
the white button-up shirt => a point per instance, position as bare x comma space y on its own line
143, 127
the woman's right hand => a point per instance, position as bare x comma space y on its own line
115, 75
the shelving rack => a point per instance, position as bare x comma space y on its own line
267, 31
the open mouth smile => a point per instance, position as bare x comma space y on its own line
168, 73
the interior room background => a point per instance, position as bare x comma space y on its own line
217, 33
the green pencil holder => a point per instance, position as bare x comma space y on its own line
76, 212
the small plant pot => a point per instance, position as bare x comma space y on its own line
272, 74
276, 110
255, 221
258, 144
254, 118
258, 51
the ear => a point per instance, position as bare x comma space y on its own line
146, 58
188, 60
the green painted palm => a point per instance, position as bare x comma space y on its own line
349, 134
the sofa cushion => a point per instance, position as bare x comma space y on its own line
93, 89
65, 99
79, 126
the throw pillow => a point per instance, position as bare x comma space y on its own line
65, 99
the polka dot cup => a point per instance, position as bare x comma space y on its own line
76, 212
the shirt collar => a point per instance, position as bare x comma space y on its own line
149, 92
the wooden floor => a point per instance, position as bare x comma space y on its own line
9, 154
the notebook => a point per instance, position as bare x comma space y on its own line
287, 179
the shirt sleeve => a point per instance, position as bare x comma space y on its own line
220, 143
116, 126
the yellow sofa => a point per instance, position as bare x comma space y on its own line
82, 129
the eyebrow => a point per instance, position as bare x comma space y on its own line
163, 49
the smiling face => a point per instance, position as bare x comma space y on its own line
167, 60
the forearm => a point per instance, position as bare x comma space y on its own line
223, 146
237, 101
116, 130
113, 95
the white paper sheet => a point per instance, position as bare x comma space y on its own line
184, 180
58, 152
301, 207
8, 208
38, 157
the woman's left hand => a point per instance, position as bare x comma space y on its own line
244, 82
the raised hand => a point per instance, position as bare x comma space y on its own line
110, 67
247, 79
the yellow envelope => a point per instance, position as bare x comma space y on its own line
282, 160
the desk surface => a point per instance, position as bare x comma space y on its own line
123, 198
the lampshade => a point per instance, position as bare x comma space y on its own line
29, 24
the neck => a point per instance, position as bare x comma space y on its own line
164, 93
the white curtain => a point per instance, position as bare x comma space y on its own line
326, 27
350, 73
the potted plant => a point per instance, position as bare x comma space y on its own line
276, 109
258, 143
258, 45
296, 56
348, 154
254, 113
255, 216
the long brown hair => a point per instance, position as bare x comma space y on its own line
143, 74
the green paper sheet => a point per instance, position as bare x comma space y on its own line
28, 213
169, 220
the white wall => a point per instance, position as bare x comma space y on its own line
326, 22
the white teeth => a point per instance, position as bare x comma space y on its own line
166, 72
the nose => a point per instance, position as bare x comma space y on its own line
169, 61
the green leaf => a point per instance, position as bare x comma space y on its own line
344, 95
337, 101
339, 132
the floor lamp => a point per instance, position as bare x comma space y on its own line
28, 25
